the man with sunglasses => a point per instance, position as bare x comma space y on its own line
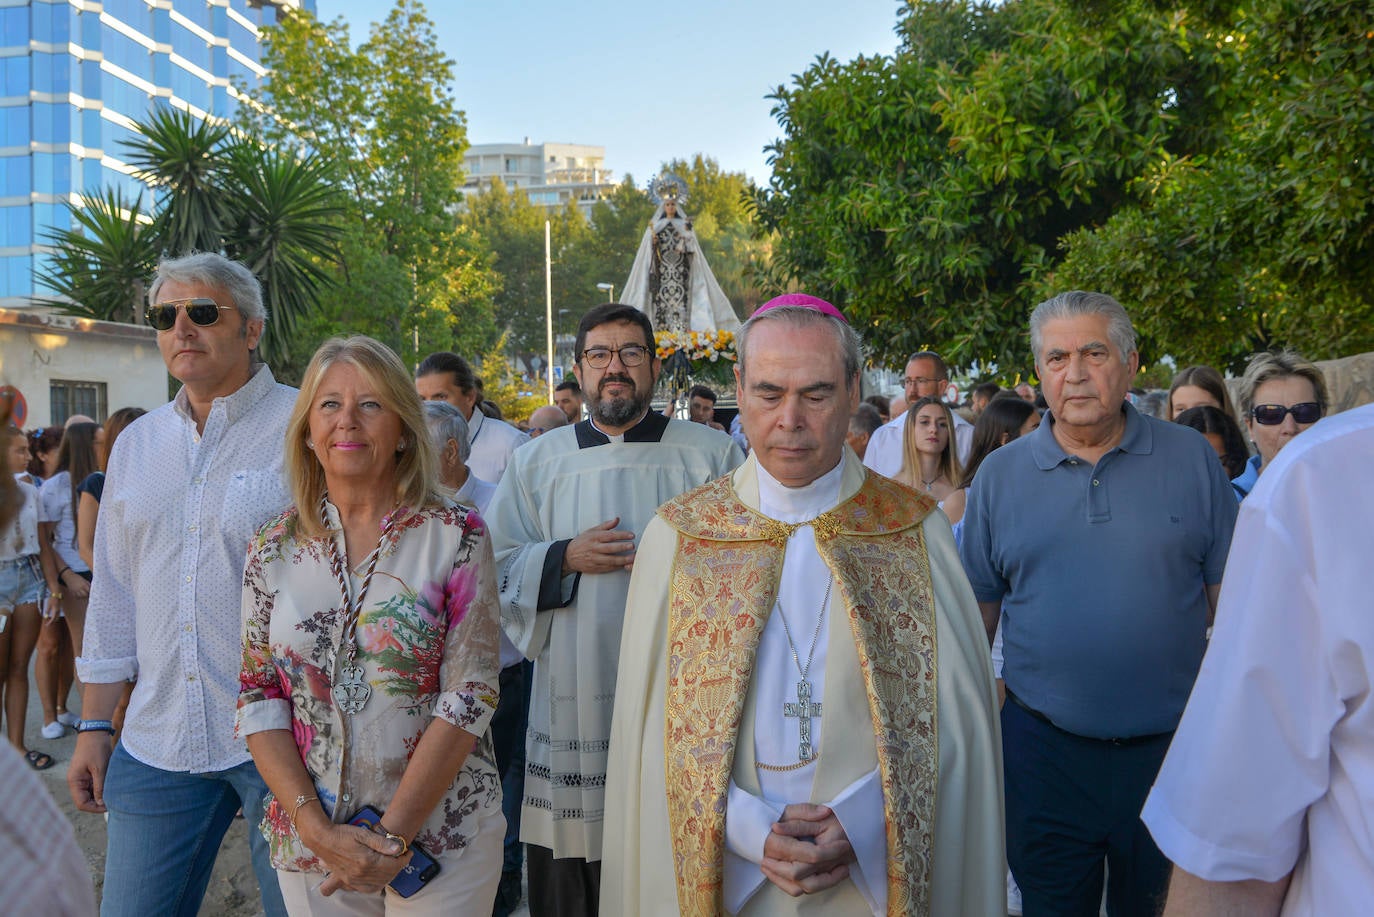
1281, 394
1101, 538
564, 523
187, 487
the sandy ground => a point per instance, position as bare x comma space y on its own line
233, 890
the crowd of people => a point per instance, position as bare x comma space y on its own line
842, 656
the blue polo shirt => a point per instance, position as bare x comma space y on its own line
1101, 571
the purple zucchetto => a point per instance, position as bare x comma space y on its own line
804, 301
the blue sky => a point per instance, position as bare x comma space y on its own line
648, 81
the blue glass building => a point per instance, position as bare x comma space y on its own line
74, 74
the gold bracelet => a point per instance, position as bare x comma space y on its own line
300, 801
405, 844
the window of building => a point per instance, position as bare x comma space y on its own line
14, 25
14, 125
16, 176
70, 397
16, 226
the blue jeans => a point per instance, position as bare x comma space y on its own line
164, 832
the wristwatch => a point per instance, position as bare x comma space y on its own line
95, 726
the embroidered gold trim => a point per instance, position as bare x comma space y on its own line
723, 585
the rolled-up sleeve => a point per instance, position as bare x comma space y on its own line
469, 676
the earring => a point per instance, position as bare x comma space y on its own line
310, 445
401, 446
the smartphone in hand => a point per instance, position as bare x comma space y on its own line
418, 870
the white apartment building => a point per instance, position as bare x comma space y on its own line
552, 174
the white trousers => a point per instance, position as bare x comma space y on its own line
466, 884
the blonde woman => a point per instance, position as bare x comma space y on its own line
929, 463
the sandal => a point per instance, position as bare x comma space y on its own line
39, 761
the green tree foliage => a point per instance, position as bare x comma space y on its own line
928, 192
100, 267
218, 192
513, 229
385, 112
1268, 238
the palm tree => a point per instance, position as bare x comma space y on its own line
182, 157
278, 212
284, 223
100, 267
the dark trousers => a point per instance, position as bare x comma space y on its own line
1071, 803
562, 888
508, 726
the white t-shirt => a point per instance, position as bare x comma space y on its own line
1272, 768
56, 506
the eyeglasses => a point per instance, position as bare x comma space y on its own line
1272, 414
200, 310
600, 357
910, 382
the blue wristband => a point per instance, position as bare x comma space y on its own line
95, 726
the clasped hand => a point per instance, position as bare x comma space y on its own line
357, 859
807, 850
600, 549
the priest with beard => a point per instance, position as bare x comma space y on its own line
565, 521
805, 720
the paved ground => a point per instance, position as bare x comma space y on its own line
233, 890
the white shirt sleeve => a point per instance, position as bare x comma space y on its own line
748, 819
1252, 752
860, 811
884, 452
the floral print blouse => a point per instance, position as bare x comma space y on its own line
428, 638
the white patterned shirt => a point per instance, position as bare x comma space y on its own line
176, 519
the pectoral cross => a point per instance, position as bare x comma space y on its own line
803, 710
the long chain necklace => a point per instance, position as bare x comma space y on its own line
804, 710
352, 691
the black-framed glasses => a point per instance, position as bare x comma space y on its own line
600, 357
1272, 414
200, 310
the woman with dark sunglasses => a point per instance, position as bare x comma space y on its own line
1281, 394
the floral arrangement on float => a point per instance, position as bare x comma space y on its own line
696, 356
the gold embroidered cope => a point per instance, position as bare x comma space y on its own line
723, 586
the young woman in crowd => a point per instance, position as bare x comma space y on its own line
1197, 386
21, 590
91, 488
68, 575
44, 445
929, 463
1222, 431
88, 510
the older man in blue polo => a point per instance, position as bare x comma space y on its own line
1102, 537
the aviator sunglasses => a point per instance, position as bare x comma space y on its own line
200, 310
1272, 414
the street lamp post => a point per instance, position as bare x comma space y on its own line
610, 290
